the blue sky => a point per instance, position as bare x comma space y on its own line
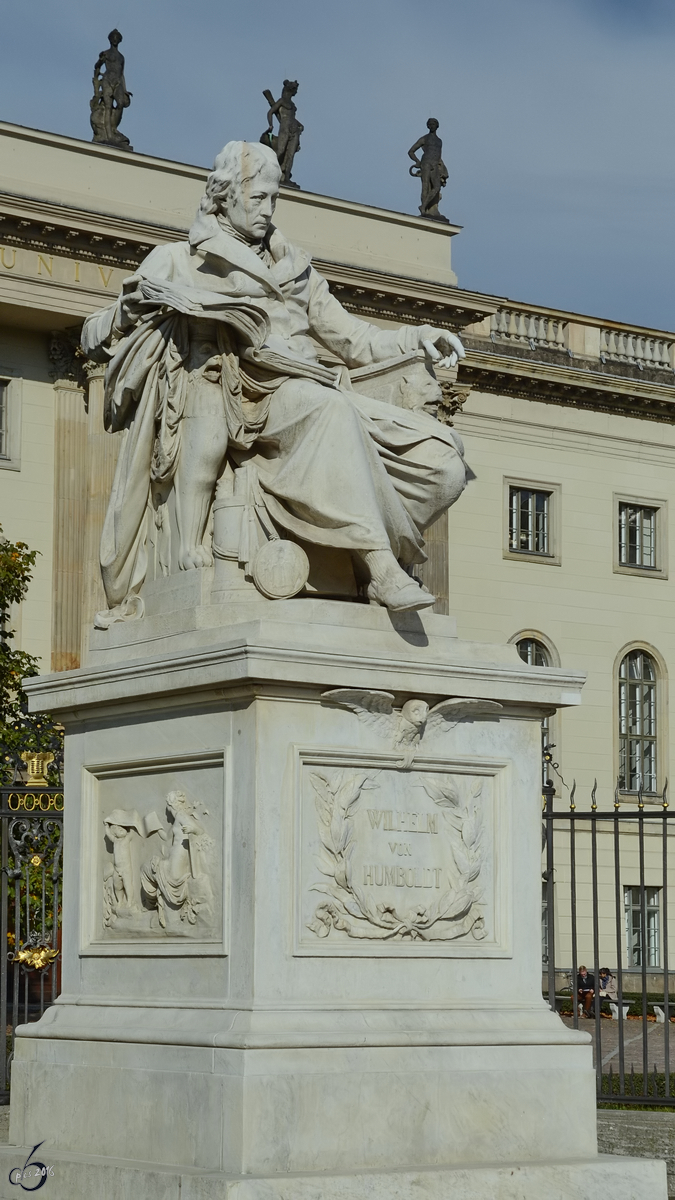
557, 117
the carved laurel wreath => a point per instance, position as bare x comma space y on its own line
352, 910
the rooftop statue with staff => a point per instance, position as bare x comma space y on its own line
431, 169
286, 143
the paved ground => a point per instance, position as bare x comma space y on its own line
642, 1134
632, 1043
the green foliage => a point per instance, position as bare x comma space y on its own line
19, 731
633, 1086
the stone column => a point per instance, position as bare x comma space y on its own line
70, 488
101, 450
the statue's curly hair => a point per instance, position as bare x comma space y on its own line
237, 163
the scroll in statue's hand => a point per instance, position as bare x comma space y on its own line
443, 347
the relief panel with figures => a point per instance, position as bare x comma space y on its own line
155, 854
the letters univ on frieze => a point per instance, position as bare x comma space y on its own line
395, 862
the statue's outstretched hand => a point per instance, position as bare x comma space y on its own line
443, 347
132, 305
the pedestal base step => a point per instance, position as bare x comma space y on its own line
114, 1179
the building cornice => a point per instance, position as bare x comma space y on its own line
31, 224
573, 386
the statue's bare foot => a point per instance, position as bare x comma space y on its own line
188, 560
391, 586
196, 556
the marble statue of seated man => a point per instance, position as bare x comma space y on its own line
212, 359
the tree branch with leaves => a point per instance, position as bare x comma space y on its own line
20, 731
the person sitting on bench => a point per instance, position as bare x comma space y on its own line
607, 985
585, 990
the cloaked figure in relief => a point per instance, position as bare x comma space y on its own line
286, 143
431, 169
120, 895
110, 96
215, 376
178, 881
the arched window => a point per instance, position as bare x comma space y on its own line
637, 722
536, 654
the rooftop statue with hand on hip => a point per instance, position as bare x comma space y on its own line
212, 355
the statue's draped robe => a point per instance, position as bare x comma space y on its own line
332, 463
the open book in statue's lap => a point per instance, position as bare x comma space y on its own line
213, 373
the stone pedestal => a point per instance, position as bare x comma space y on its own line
301, 931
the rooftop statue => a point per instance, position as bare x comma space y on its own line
214, 374
431, 169
110, 96
286, 143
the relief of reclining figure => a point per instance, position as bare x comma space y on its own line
212, 364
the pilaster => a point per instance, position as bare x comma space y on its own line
101, 450
70, 488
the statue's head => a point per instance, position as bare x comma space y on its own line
432, 124
290, 86
115, 37
415, 711
176, 801
243, 186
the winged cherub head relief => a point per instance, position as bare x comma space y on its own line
405, 727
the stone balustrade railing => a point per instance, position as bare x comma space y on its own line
621, 345
529, 328
578, 337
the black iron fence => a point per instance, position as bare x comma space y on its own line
31, 845
606, 907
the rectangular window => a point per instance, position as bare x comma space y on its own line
4, 433
635, 942
529, 521
637, 536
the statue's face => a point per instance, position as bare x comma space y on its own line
250, 205
415, 711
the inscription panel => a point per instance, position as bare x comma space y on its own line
401, 862
154, 857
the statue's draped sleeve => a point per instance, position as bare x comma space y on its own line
356, 343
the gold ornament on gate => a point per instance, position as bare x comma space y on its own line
37, 762
35, 958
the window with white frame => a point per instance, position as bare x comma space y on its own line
637, 722
544, 924
637, 535
533, 652
4, 431
529, 521
637, 945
